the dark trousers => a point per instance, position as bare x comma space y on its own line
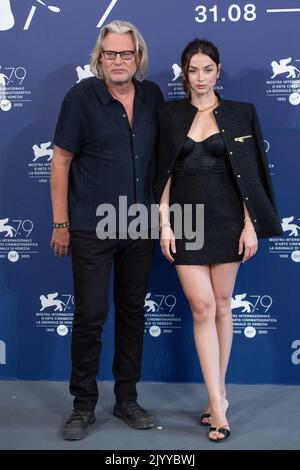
92, 261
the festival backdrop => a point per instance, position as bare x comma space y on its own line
44, 51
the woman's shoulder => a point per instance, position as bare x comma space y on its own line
238, 105
171, 110
169, 107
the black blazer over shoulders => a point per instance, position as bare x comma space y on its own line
240, 128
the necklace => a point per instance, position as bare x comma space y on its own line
216, 102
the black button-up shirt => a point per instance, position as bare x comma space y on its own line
111, 159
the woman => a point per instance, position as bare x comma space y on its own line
212, 153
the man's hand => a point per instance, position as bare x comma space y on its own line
60, 242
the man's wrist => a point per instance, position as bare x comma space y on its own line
61, 224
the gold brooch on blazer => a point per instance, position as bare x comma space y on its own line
242, 138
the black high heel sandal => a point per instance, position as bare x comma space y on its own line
208, 416
221, 430
205, 416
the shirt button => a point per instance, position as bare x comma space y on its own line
216, 112
230, 153
137, 179
133, 135
136, 156
246, 198
223, 130
124, 115
255, 220
238, 176
168, 171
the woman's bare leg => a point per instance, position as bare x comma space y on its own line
223, 278
197, 286
209, 290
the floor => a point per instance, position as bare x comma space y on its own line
261, 417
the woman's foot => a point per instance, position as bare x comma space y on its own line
223, 431
219, 429
205, 419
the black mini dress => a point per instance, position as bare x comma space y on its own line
202, 174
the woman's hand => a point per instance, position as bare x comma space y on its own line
248, 243
167, 242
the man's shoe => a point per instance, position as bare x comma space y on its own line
77, 425
133, 414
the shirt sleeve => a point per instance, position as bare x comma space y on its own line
69, 132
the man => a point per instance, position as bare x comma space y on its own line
105, 144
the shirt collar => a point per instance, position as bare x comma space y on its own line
104, 94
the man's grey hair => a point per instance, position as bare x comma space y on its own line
141, 51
